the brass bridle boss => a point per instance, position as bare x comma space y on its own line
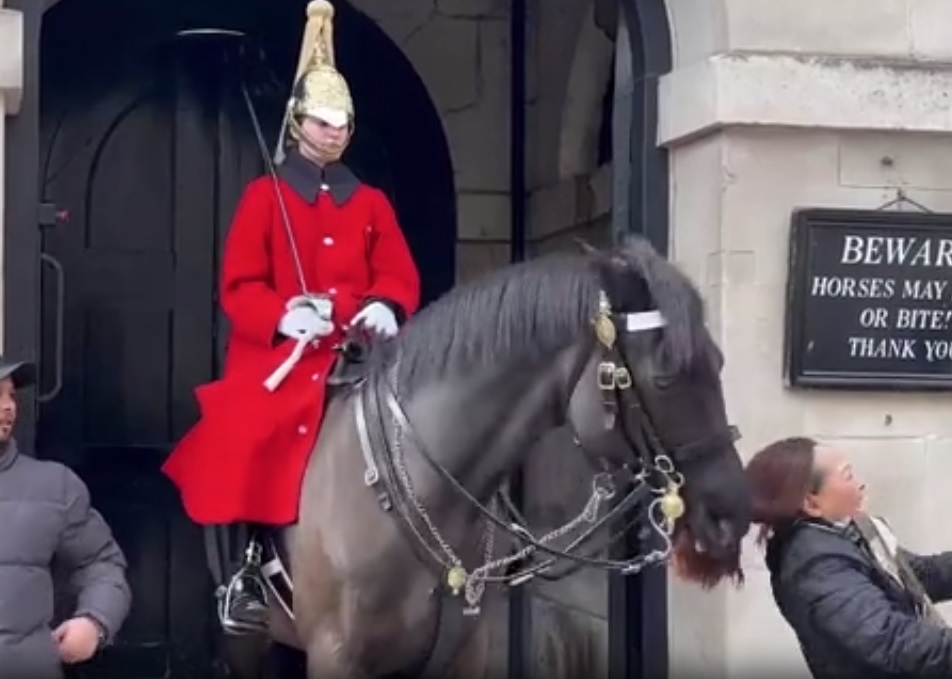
614, 379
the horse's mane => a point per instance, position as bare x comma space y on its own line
539, 307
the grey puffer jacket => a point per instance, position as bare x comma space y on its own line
45, 517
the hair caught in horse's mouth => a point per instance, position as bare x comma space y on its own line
694, 565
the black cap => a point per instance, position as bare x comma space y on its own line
23, 373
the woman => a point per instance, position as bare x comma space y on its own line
852, 613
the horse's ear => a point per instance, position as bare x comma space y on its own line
619, 279
585, 246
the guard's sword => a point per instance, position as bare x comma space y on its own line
321, 304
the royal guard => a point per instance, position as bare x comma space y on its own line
312, 252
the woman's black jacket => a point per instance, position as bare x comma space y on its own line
850, 615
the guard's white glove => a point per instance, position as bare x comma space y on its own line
304, 323
378, 318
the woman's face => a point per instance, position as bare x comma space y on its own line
837, 494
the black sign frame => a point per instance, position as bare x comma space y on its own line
799, 273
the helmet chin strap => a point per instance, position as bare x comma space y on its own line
305, 140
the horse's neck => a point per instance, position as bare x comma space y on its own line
481, 428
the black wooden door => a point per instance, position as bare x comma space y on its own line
129, 325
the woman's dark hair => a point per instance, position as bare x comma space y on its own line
780, 477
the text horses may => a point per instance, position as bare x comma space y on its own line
921, 268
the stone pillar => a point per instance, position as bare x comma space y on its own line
772, 107
11, 87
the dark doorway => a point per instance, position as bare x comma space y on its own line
638, 605
144, 149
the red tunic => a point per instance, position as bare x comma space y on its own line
245, 459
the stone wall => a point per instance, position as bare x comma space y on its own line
460, 48
461, 51
572, 58
771, 106
775, 106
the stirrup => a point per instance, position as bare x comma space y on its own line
226, 596
249, 575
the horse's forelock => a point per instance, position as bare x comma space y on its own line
685, 338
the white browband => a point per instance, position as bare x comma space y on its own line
644, 320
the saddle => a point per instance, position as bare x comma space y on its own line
224, 545
350, 366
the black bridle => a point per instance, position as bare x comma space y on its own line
620, 395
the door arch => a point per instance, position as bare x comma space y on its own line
399, 145
146, 145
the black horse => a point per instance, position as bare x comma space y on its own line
403, 497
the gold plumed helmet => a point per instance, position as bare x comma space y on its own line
320, 91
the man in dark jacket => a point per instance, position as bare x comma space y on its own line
46, 518
854, 611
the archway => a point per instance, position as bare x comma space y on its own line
145, 143
607, 130
647, 58
401, 148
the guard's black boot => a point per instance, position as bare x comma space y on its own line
244, 605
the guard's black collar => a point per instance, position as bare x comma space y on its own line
307, 178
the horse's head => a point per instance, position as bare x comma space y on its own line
650, 396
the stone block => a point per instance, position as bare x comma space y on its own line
929, 22
937, 496
758, 640
817, 92
696, 624
597, 233
445, 52
581, 113
479, 134
696, 199
479, 146
494, 70
474, 260
484, 9
11, 59
754, 163
398, 18
878, 414
849, 27
553, 209
575, 202
890, 160
698, 29
483, 216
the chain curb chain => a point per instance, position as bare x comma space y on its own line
476, 580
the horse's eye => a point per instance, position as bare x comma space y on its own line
663, 382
